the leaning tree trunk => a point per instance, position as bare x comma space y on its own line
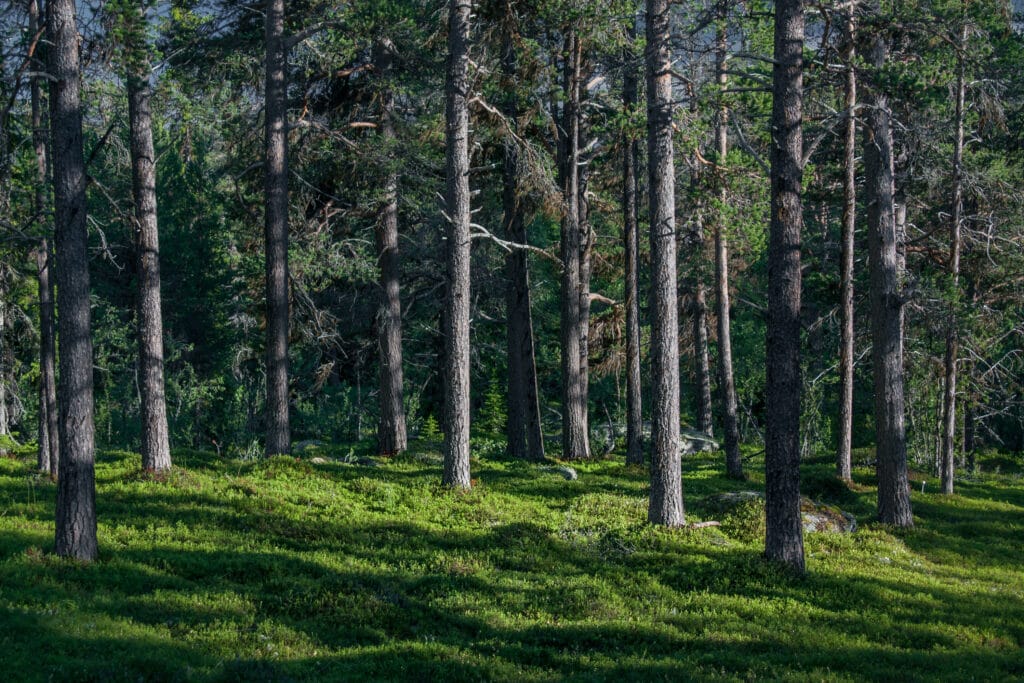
846, 350
156, 449
666, 498
631, 248
886, 304
525, 435
76, 489
49, 432
575, 436
457, 247
726, 380
276, 228
946, 459
784, 532
391, 432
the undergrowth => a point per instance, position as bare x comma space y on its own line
289, 569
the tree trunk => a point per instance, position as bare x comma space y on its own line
5, 425
278, 439
76, 489
156, 449
784, 531
666, 498
846, 349
575, 429
946, 459
631, 247
49, 432
699, 304
525, 435
49, 429
727, 383
457, 246
391, 432
886, 304
705, 424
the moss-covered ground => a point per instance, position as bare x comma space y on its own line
292, 570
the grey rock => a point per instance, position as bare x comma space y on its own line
816, 517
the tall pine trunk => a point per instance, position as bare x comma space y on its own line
631, 249
156, 449
886, 302
947, 456
75, 534
846, 350
575, 428
391, 431
278, 438
666, 498
726, 379
784, 531
525, 434
457, 248
49, 432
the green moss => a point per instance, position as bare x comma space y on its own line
284, 569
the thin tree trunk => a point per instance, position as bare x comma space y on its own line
631, 247
886, 303
75, 534
727, 382
49, 432
278, 439
947, 461
784, 531
156, 449
575, 436
525, 435
391, 431
666, 498
49, 441
5, 426
705, 424
457, 304
846, 350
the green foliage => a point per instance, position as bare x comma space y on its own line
286, 569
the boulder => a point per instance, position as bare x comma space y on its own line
817, 517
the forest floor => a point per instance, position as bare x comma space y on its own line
293, 570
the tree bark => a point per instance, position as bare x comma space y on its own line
705, 424
726, 380
391, 431
525, 435
49, 429
666, 498
457, 304
631, 248
575, 429
886, 303
947, 456
5, 425
49, 432
75, 534
156, 449
846, 349
784, 531
278, 439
